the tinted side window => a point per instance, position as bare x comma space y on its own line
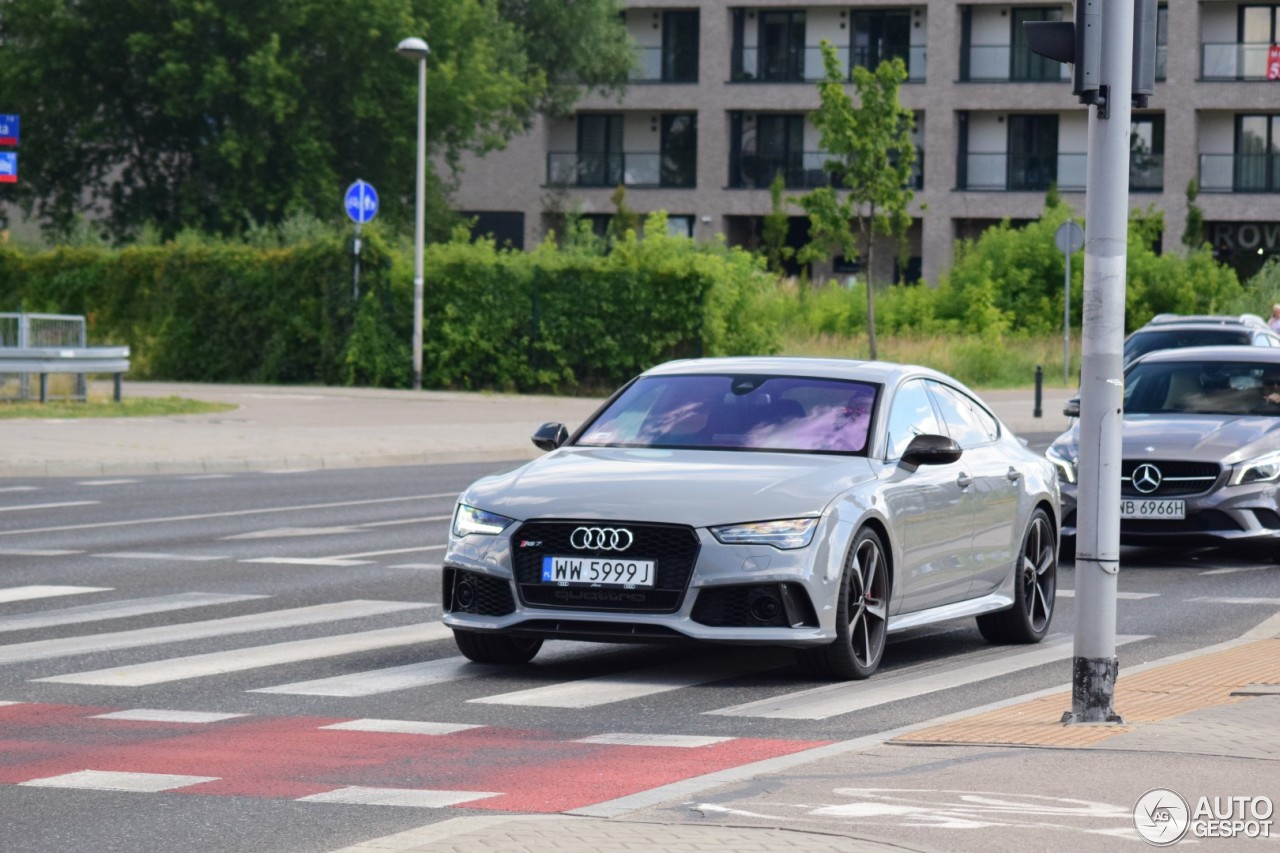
966, 421
911, 415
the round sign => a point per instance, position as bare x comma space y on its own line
1069, 238
361, 202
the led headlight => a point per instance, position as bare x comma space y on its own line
785, 534
1066, 467
1260, 469
468, 519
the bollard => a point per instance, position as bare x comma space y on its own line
1039, 390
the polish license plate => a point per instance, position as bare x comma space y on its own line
597, 571
1159, 510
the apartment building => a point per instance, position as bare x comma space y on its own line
722, 95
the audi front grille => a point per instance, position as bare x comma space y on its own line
672, 547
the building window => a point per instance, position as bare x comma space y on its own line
1033, 152
781, 40
680, 47
1257, 158
1023, 64
600, 149
679, 155
1146, 153
880, 35
764, 144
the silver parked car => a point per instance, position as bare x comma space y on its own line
817, 504
1201, 450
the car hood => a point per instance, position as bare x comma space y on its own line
1209, 438
696, 487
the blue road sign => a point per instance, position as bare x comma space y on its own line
8, 129
361, 202
8, 167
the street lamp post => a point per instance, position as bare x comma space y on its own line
415, 49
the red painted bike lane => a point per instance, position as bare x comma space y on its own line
294, 757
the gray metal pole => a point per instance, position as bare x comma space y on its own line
419, 221
1066, 319
1101, 376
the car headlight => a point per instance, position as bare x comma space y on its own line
786, 534
1066, 466
1260, 469
468, 520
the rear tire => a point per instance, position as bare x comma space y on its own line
862, 616
1035, 586
495, 648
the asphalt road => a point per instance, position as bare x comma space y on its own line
283, 604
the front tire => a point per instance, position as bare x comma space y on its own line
862, 616
1035, 587
495, 648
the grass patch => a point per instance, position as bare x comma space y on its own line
134, 407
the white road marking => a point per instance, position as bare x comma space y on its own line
404, 727
46, 506
307, 561
1233, 570
147, 555
411, 797
604, 689
100, 780
423, 520
1270, 602
271, 620
416, 566
239, 660
152, 715
20, 489
677, 741
6, 702
33, 552
27, 593
119, 609
105, 482
208, 477
821, 703
131, 522
388, 680
1132, 596
394, 551
284, 532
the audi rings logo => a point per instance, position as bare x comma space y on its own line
601, 538
1146, 478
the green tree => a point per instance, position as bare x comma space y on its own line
870, 148
1193, 230
218, 116
776, 226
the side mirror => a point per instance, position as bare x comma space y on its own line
549, 436
931, 450
1072, 408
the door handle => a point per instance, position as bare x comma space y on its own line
964, 481
1014, 474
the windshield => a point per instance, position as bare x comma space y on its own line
738, 412
1141, 343
1215, 387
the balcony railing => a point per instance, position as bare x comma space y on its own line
803, 171
1003, 172
656, 65
1240, 173
1234, 61
752, 64
994, 63
632, 169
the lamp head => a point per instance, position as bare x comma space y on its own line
413, 48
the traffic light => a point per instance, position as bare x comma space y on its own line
1079, 43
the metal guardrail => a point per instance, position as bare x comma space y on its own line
80, 361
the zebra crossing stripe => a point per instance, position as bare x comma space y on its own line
118, 609
271, 620
403, 727
239, 660
27, 593
388, 680
150, 715
677, 741
101, 780
604, 689
410, 797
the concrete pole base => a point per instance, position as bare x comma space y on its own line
1093, 685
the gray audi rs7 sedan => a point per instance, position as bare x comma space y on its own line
1200, 447
816, 504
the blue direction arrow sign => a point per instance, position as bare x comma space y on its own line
8, 167
361, 202
8, 129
